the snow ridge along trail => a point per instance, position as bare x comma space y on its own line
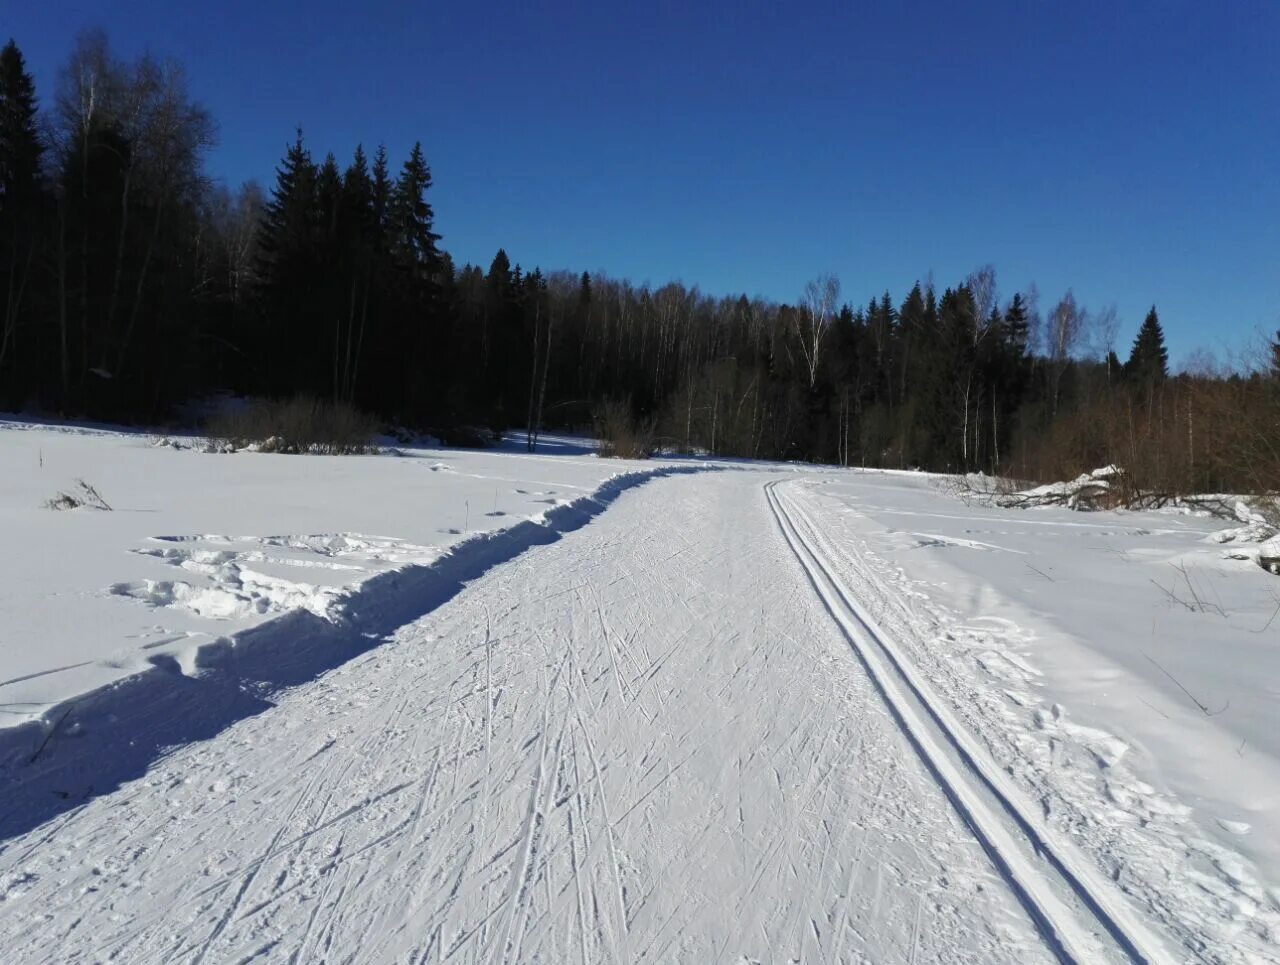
1039, 868
642, 742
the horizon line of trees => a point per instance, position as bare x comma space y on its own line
134, 284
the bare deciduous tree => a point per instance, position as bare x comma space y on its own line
982, 286
1067, 325
172, 143
236, 219
139, 117
816, 311
1105, 326
982, 290
84, 89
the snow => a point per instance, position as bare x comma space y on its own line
1067, 639
207, 546
505, 706
1257, 541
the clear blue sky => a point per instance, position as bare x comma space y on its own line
1130, 150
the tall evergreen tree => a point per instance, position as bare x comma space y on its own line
357, 201
328, 198
21, 197
414, 325
288, 271
1149, 359
499, 277
290, 217
1016, 326
412, 238
20, 147
912, 332
381, 193
357, 250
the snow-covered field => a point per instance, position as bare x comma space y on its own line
200, 547
510, 707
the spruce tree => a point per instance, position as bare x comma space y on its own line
911, 314
1149, 360
413, 240
288, 273
330, 241
912, 324
499, 277
1016, 329
381, 196
291, 215
21, 192
328, 197
357, 200
20, 149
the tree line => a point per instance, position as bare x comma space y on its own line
135, 283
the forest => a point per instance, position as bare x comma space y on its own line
136, 284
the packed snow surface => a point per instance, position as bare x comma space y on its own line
507, 707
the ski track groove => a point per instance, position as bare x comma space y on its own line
1058, 921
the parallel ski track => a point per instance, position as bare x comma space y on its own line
1039, 869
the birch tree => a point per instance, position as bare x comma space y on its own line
1065, 328
813, 319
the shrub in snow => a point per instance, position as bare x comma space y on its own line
621, 434
297, 425
468, 437
80, 495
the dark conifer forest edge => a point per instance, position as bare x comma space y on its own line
134, 283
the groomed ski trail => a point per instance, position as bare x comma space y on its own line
646, 742
1077, 911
